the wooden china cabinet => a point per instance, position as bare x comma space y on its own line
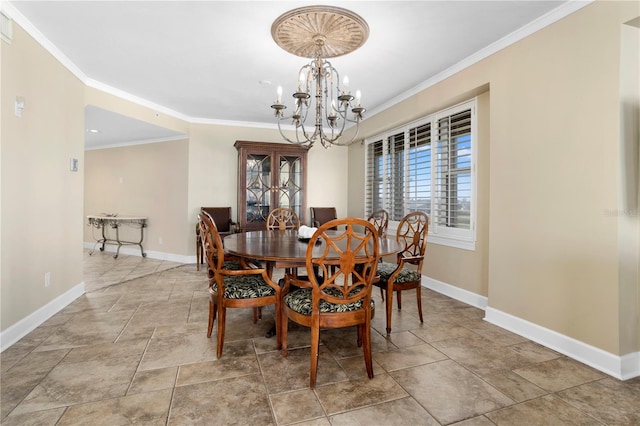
270, 175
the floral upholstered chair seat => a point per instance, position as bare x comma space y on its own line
300, 301
235, 265
244, 287
386, 269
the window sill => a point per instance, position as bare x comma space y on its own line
438, 239
450, 242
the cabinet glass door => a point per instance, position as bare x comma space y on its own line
270, 175
258, 188
290, 181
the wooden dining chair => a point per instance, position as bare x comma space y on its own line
280, 218
342, 297
322, 215
233, 287
380, 220
406, 273
221, 216
230, 262
283, 218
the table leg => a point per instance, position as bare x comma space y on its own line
115, 225
104, 237
272, 331
140, 242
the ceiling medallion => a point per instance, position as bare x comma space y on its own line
299, 30
320, 32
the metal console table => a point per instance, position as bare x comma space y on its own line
115, 222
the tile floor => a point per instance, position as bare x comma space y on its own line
133, 349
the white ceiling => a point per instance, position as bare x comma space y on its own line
204, 61
108, 129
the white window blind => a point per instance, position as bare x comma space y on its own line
375, 172
453, 180
428, 166
395, 193
419, 169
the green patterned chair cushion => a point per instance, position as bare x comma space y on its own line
300, 301
232, 265
236, 265
244, 287
385, 269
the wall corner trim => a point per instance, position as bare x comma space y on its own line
621, 367
29, 323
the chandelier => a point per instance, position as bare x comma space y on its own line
320, 32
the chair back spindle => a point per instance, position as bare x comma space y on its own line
380, 220
283, 218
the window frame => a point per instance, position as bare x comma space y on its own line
438, 234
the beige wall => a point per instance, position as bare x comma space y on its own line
213, 169
170, 181
553, 174
629, 203
555, 166
42, 218
141, 180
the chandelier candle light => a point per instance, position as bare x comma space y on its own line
320, 32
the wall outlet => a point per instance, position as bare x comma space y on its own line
160, 240
47, 279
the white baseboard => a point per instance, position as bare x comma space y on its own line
135, 251
23, 327
29, 323
621, 367
454, 292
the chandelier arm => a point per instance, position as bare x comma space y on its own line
303, 33
333, 131
298, 142
305, 133
337, 142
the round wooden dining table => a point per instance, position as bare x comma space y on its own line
282, 248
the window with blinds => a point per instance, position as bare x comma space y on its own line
427, 166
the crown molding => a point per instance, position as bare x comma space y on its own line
136, 99
140, 142
545, 20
